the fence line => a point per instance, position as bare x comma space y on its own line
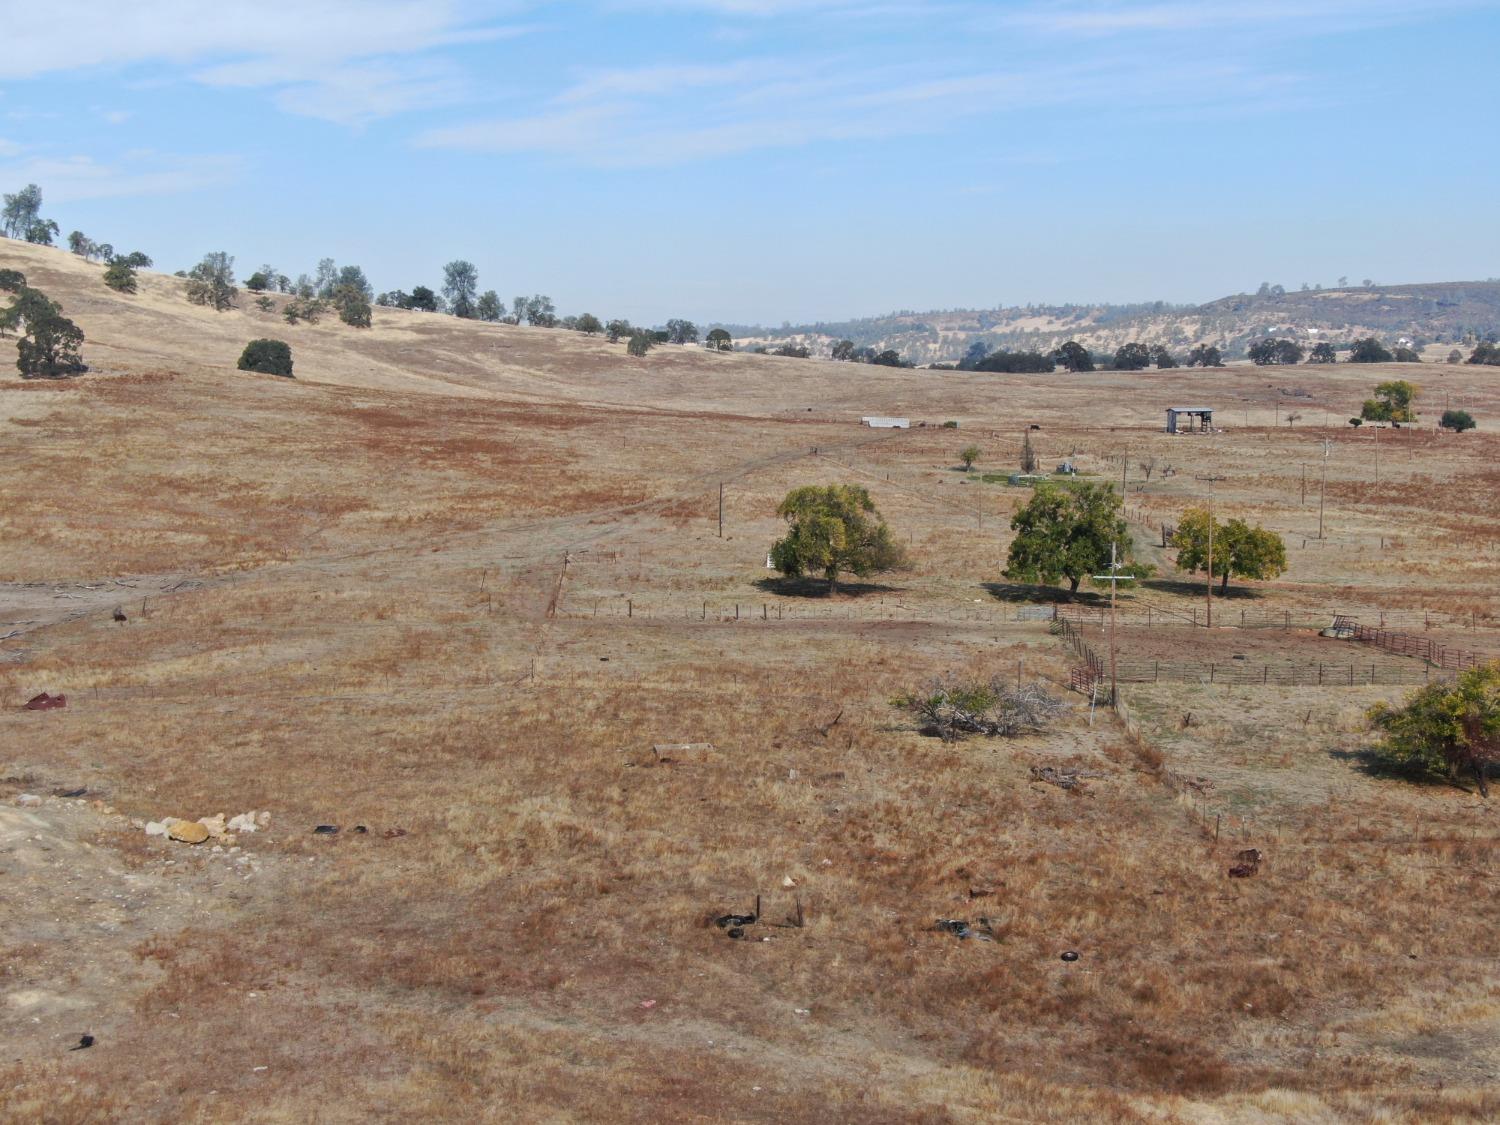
1424, 648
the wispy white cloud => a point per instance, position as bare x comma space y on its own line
344, 60
140, 173
1114, 17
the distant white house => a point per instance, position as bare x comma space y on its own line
887, 423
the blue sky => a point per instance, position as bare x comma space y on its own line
769, 160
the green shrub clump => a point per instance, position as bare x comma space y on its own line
271, 357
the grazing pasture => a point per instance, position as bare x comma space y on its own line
464, 586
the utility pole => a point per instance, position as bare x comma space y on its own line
1114, 578
1208, 621
1124, 464
1323, 487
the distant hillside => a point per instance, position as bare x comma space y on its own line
1434, 316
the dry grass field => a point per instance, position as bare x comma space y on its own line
454, 582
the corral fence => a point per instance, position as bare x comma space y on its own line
865, 609
1423, 648
1091, 671
1153, 617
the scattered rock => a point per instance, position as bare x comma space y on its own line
188, 831
1070, 956
214, 824
45, 702
245, 822
392, 833
326, 830
155, 828
70, 793
28, 800
84, 1043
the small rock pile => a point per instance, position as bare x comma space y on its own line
217, 828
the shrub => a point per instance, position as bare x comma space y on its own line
951, 709
639, 344
1459, 420
950, 425
270, 357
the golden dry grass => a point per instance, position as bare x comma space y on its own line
338, 594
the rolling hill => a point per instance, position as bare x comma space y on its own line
1435, 316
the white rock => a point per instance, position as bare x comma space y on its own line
28, 800
155, 828
263, 817
245, 822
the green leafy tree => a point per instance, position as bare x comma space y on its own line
1457, 420
1392, 403
1322, 352
270, 357
1132, 357
1073, 356
842, 350
119, 276
682, 332
138, 261
834, 529
1369, 350
1447, 728
326, 278
1403, 354
969, 454
1486, 353
352, 304
589, 324
720, 340
1165, 360
1274, 351
489, 306
1238, 549
211, 282
12, 281
49, 342
1066, 533
21, 211
639, 344
257, 282
540, 312
888, 358
42, 232
265, 303
801, 351
422, 299
1205, 355
1455, 356
616, 330
81, 244
461, 287
353, 277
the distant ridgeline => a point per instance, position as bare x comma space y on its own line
1459, 313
